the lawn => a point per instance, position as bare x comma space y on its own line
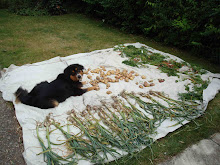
25, 39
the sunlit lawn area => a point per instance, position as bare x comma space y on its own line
25, 39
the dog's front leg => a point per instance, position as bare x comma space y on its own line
91, 88
81, 91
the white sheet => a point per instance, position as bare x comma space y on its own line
29, 75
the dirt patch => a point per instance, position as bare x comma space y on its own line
11, 144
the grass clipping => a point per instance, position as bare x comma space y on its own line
126, 124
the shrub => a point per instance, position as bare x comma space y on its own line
3, 4
33, 7
188, 24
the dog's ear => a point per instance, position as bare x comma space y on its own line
81, 67
73, 69
68, 72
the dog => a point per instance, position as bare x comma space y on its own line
47, 95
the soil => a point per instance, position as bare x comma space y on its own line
11, 144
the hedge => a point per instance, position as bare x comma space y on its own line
187, 24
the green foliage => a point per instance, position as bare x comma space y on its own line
198, 70
187, 24
197, 89
198, 85
36, 8
154, 59
166, 69
130, 62
195, 94
140, 56
170, 67
3, 4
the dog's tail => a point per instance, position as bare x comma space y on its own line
21, 95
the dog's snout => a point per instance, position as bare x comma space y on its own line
79, 76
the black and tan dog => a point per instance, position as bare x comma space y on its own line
48, 95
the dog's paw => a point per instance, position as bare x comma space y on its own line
97, 88
84, 82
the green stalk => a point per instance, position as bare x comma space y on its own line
94, 141
106, 134
49, 156
78, 146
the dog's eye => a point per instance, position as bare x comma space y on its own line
73, 73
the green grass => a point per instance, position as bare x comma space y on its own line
25, 39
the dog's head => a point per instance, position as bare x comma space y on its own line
74, 72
